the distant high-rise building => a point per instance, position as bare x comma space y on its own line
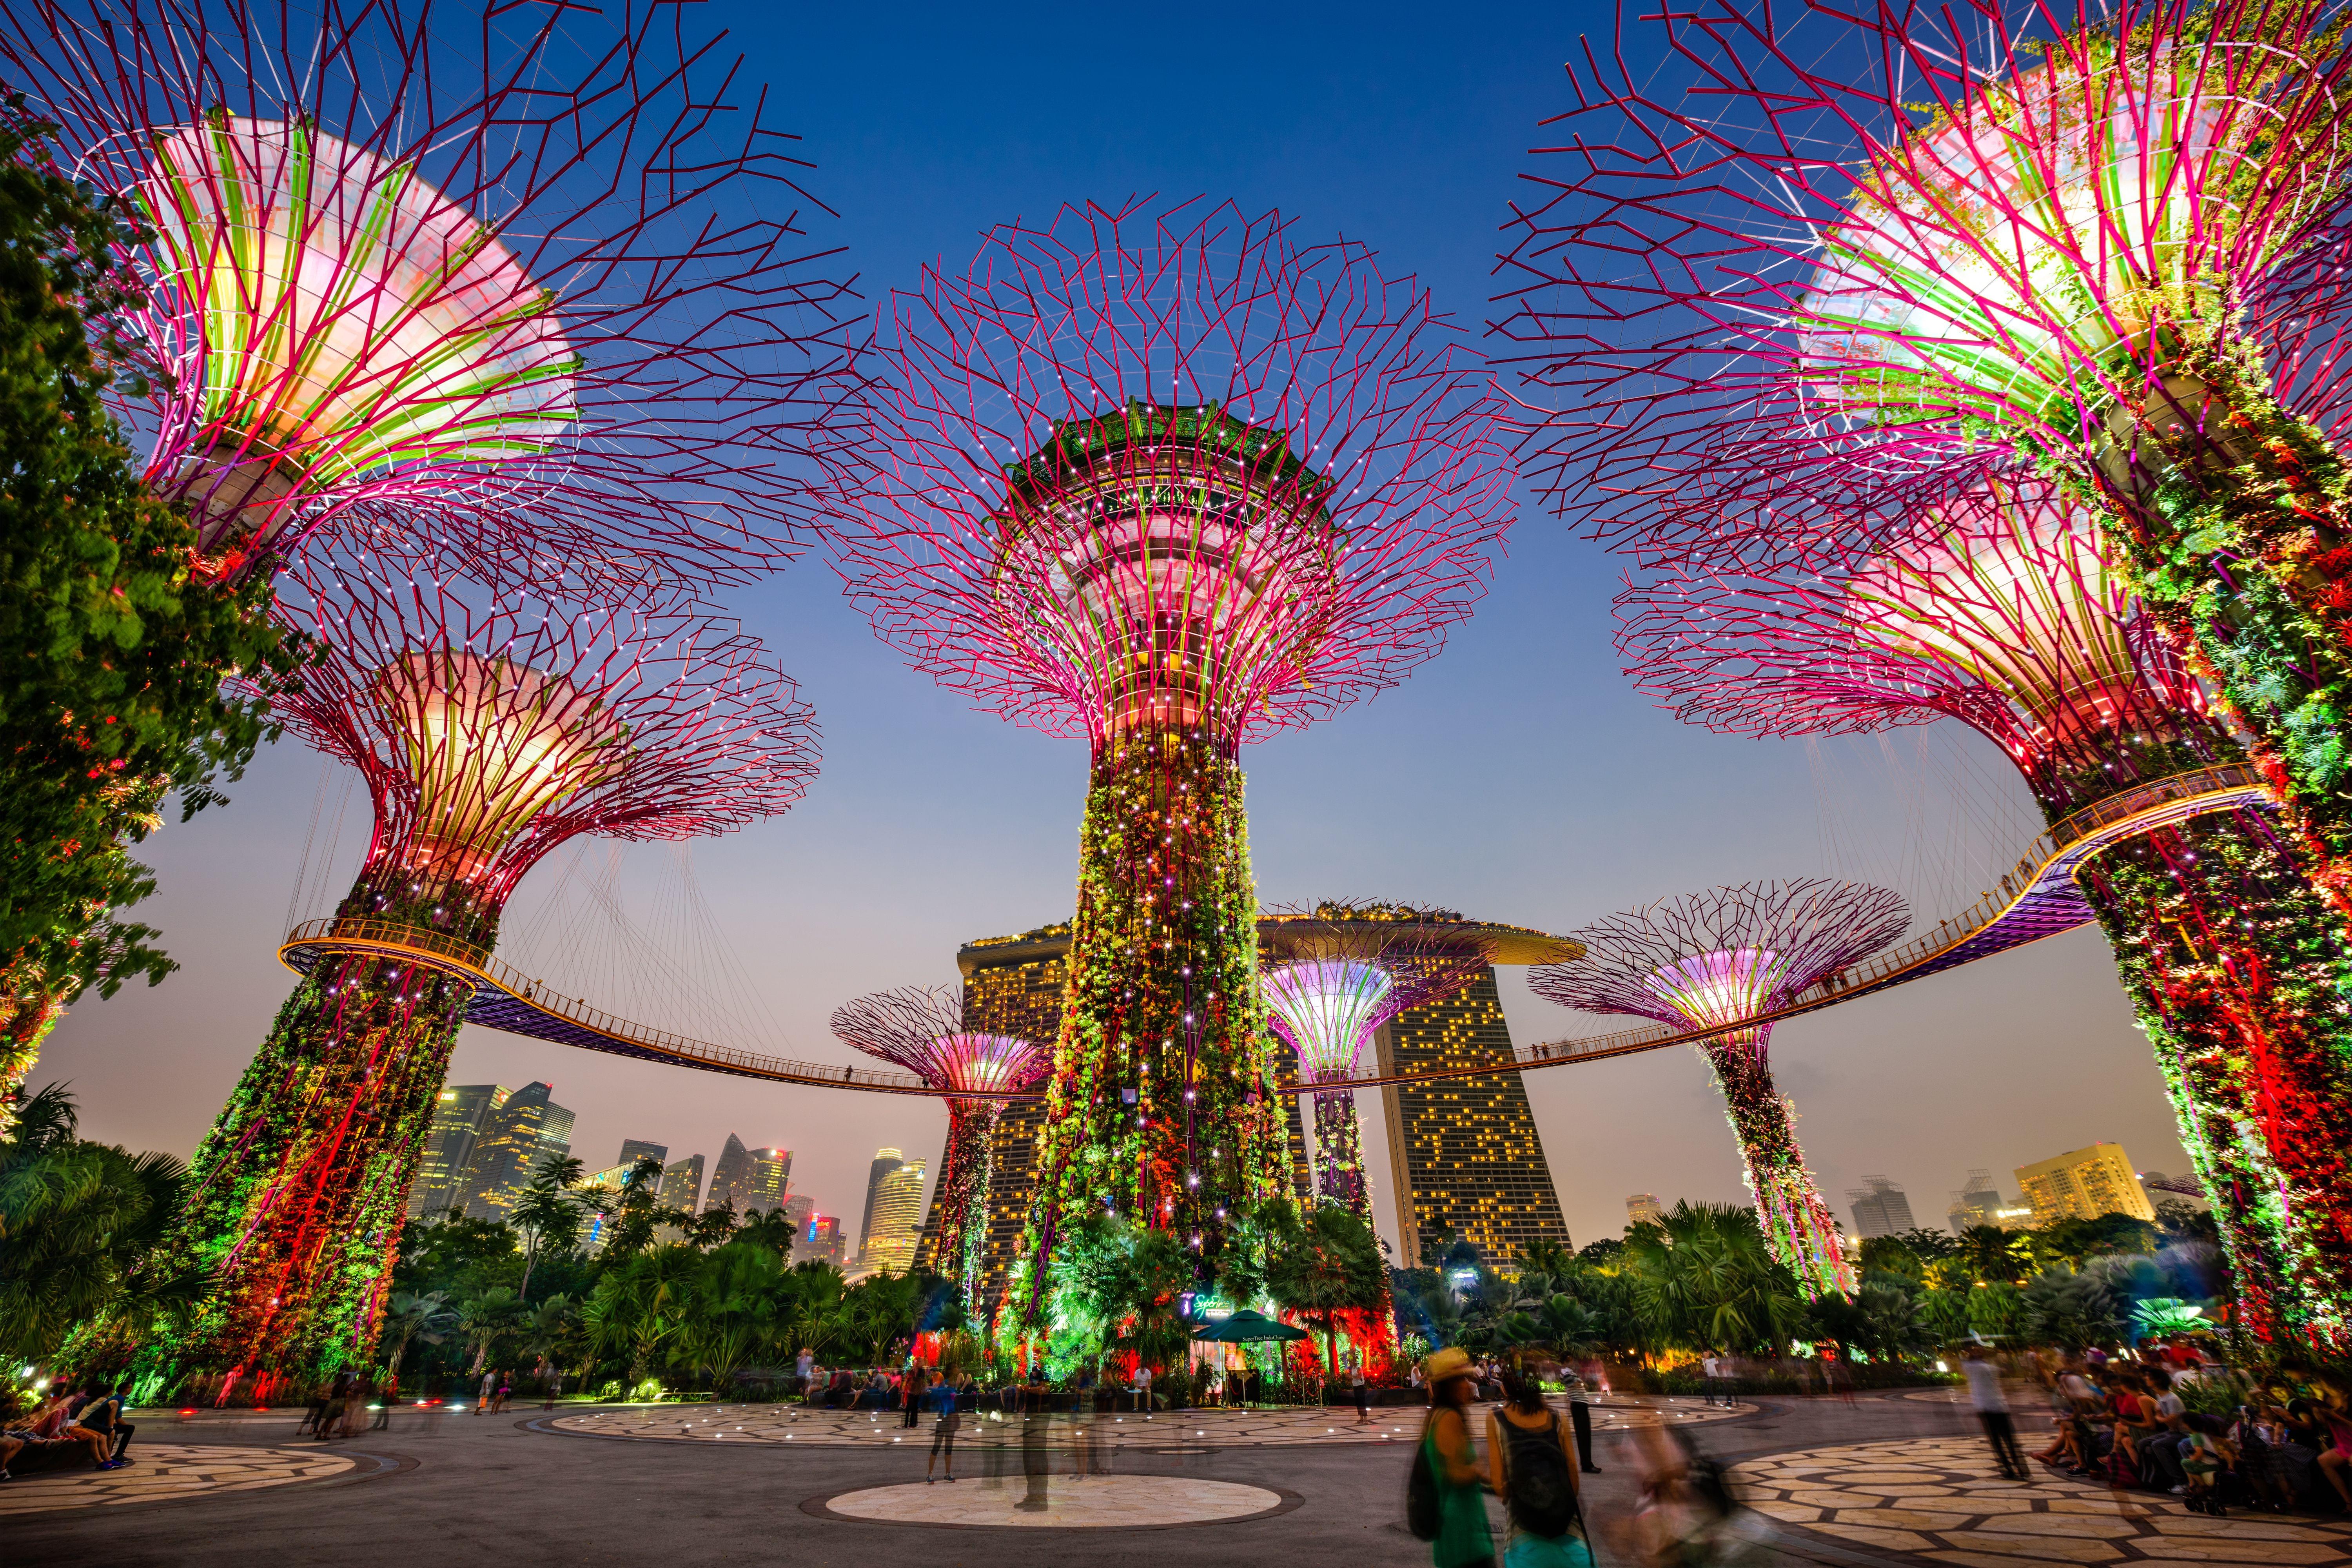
885, 1162
800, 1210
506, 1152
1980, 1203
682, 1184
824, 1240
591, 1231
749, 1178
2083, 1184
1464, 1154
1643, 1208
635, 1149
894, 1210
459, 1115
1880, 1208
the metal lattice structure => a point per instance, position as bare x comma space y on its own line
534, 287
922, 1029
1855, 250
490, 729
1167, 478
1341, 971
2001, 608
1716, 958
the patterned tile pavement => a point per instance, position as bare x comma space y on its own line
1168, 1429
1939, 1499
1097, 1502
168, 1471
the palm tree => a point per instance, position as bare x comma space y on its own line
485, 1318
548, 1212
413, 1316
770, 1228
79, 1224
547, 1325
641, 1304
741, 1299
1707, 1278
1329, 1263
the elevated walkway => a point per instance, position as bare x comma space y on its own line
2037, 899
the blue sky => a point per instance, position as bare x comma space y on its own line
1518, 776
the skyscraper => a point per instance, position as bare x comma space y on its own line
894, 1209
885, 1162
1643, 1208
1977, 1203
2085, 1184
506, 1152
1464, 1157
749, 1178
1880, 1208
459, 1117
823, 1239
682, 1184
800, 1210
635, 1149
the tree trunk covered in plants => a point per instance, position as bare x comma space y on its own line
1340, 1153
1796, 1221
299, 1190
1161, 1105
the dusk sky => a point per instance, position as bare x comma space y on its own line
1517, 777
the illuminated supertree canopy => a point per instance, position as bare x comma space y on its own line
489, 728
2000, 608
1166, 478
534, 287
1341, 971
921, 1029
2005, 234
1725, 955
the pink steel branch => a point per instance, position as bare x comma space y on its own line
538, 288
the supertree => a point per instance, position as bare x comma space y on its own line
922, 1029
532, 290
1927, 239
489, 729
1719, 957
1163, 477
1337, 973
533, 283
2001, 608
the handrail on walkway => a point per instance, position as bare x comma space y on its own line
2031, 901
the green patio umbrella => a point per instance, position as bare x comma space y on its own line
1246, 1326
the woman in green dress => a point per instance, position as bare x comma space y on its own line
1462, 1538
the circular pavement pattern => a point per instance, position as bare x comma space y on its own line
1940, 1498
1060, 1503
168, 1471
1169, 1428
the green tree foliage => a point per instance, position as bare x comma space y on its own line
411, 1316
1325, 1263
79, 1225
2072, 1310
1707, 1278
549, 1212
110, 655
1128, 1281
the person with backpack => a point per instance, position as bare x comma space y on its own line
1534, 1473
1446, 1496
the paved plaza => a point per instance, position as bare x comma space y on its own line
1888, 1481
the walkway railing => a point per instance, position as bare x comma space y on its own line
2036, 899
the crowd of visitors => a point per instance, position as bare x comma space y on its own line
2126, 1423
72, 1424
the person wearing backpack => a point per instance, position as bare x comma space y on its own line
1445, 1495
1534, 1473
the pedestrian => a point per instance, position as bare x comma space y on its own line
490, 1386
1579, 1415
363, 1395
1037, 1417
912, 1396
551, 1390
1535, 1470
338, 1397
1463, 1540
385, 1398
1142, 1386
505, 1387
313, 1408
950, 1420
1992, 1413
1362, 1389
1708, 1364
804, 1367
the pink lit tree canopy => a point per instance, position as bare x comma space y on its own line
1720, 957
1339, 972
1928, 241
1167, 478
490, 729
922, 1029
534, 285
2000, 608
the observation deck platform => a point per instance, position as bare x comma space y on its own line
2038, 898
